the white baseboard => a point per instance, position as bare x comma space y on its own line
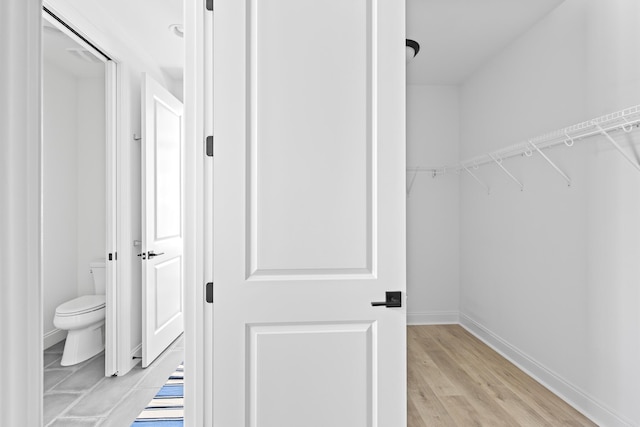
574, 396
433, 318
53, 337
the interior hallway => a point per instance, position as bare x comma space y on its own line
456, 380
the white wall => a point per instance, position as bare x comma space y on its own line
90, 178
73, 188
176, 88
550, 275
432, 206
59, 163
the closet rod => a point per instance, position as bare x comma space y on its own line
421, 169
626, 120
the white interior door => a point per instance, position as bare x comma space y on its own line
309, 213
162, 213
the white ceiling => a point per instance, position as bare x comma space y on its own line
455, 36
458, 36
60, 50
147, 22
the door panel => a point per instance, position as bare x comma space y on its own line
281, 381
162, 192
165, 293
328, 228
309, 213
168, 194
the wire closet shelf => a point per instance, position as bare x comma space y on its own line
625, 120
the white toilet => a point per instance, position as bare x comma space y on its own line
84, 317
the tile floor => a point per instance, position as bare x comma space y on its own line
82, 396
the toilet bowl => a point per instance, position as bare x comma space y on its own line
84, 319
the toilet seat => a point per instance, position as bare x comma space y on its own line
81, 305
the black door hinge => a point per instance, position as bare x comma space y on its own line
209, 4
209, 292
113, 256
209, 148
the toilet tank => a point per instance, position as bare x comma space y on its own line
98, 271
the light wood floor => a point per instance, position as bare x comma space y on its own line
456, 380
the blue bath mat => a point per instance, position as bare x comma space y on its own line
167, 407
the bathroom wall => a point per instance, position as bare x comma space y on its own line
550, 275
73, 187
432, 206
59, 163
91, 183
176, 88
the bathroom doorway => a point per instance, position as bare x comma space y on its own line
109, 31
79, 178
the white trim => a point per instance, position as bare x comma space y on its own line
53, 337
206, 252
125, 226
433, 318
197, 332
112, 205
588, 405
21, 329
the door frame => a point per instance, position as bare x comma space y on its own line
20, 264
67, 25
198, 122
114, 213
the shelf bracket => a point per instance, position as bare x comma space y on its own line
564, 175
411, 181
499, 163
618, 147
486, 187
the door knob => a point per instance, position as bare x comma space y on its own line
394, 299
151, 254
